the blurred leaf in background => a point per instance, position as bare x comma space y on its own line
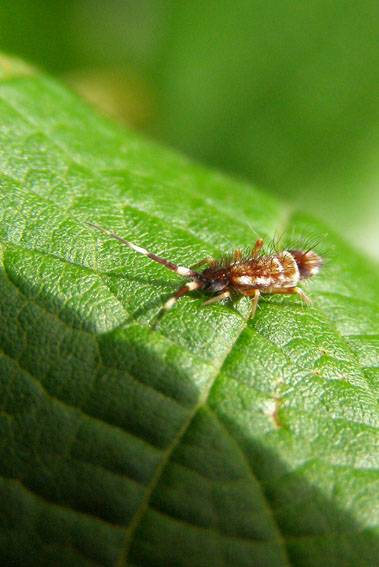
281, 93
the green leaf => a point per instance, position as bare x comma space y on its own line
210, 440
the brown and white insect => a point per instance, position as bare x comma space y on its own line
251, 275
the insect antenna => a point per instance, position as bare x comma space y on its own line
181, 270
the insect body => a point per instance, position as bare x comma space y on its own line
249, 275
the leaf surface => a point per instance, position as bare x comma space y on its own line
210, 440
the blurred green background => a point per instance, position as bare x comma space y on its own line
282, 93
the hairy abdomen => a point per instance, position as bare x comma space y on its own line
265, 273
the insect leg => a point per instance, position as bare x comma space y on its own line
255, 295
254, 303
303, 296
190, 286
217, 298
293, 290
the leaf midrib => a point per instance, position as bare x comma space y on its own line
138, 517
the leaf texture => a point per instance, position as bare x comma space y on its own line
210, 440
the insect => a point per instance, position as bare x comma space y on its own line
251, 275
